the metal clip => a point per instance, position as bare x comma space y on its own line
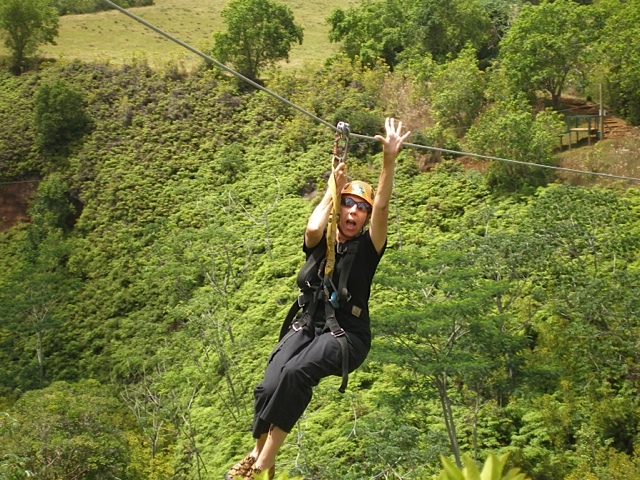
338, 333
344, 129
301, 300
340, 151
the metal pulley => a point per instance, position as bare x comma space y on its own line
341, 143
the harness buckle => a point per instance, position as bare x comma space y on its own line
338, 333
296, 326
301, 299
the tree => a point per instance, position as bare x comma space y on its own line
444, 327
399, 29
443, 28
458, 92
509, 130
31, 302
372, 30
259, 34
620, 56
584, 314
72, 431
590, 309
27, 24
60, 115
545, 44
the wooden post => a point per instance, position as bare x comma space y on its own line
601, 117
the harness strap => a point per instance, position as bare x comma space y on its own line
290, 326
339, 334
345, 264
308, 272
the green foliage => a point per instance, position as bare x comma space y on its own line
372, 30
18, 156
439, 137
492, 470
589, 297
501, 13
27, 24
404, 29
60, 115
259, 34
458, 92
162, 254
618, 50
51, 211
33, 302
447, 330
507, 130
545, 43
67, 431
70, 7
443, 28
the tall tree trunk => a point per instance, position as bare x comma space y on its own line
447, 413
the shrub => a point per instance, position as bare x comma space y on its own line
59, 115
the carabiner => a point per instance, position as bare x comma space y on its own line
342, 135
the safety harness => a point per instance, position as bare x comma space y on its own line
314, 292
315, 279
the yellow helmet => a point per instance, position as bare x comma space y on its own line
360, 189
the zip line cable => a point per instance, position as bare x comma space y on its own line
507, 160
355, 135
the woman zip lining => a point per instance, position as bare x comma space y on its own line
332, 334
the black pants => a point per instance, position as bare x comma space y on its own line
293, 370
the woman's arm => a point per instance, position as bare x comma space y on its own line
320, 216
380, 213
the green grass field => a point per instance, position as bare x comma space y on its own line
117, 38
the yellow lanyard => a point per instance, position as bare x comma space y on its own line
339, 155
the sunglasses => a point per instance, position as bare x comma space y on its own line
350, 202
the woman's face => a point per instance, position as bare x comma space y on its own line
354, 213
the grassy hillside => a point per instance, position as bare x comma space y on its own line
112, 35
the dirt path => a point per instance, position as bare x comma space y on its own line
14, 202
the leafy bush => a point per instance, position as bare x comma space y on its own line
59, 115
492, 470
68, 431
507, 130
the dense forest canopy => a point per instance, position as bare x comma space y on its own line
139, 303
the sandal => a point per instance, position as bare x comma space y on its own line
242, 469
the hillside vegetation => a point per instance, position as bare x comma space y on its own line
112, 36
140, 302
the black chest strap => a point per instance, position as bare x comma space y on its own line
348, 252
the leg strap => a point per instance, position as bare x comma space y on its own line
339, 334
